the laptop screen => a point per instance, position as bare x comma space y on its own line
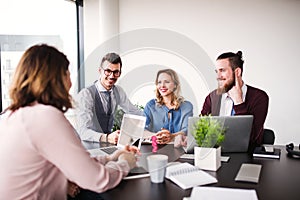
132, 130
237, 135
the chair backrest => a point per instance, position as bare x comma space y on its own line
269, 136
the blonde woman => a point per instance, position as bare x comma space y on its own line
167, 114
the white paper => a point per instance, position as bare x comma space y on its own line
188, 156
225, 158
213, 193
192, 157
136, 176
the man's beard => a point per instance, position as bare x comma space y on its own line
226, 87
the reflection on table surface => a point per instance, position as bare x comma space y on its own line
146, 149
279, 178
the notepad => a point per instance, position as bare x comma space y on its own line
248, 173
187, 176
212, 193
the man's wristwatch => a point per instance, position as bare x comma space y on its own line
103, 138
106, 138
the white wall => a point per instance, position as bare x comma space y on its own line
267, 31
101, 21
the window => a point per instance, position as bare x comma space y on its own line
30, 22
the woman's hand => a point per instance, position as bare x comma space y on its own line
72, 189
129, 157
164, 136
115, 156
132, 149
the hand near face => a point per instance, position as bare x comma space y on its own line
164, 136
235, 92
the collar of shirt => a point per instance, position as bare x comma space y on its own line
244, 90
227, 103
100, 87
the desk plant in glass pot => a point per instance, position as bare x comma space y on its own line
208, 134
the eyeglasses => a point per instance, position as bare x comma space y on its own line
108, 72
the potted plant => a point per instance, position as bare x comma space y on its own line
208, 134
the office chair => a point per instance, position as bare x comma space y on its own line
268, 136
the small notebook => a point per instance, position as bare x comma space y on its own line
187, 176
248, 173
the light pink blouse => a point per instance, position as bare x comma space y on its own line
39, 151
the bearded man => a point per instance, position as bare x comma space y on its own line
234, 97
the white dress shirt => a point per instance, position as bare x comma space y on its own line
227, 103
86, 119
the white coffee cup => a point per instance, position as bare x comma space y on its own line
157, 167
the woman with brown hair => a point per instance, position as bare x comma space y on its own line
39, 150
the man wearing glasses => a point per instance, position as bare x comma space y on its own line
98, 103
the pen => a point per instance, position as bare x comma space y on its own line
136, 176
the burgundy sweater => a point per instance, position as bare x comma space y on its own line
256, 104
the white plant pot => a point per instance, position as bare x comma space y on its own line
208, 158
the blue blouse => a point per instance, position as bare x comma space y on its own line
157, 117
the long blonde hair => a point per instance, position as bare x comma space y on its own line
176, 98
40, 77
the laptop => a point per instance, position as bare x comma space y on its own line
237, 135
131, 133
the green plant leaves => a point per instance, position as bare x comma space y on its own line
209, 132
118, 119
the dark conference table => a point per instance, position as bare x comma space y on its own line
279, 178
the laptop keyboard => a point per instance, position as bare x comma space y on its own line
109, 150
